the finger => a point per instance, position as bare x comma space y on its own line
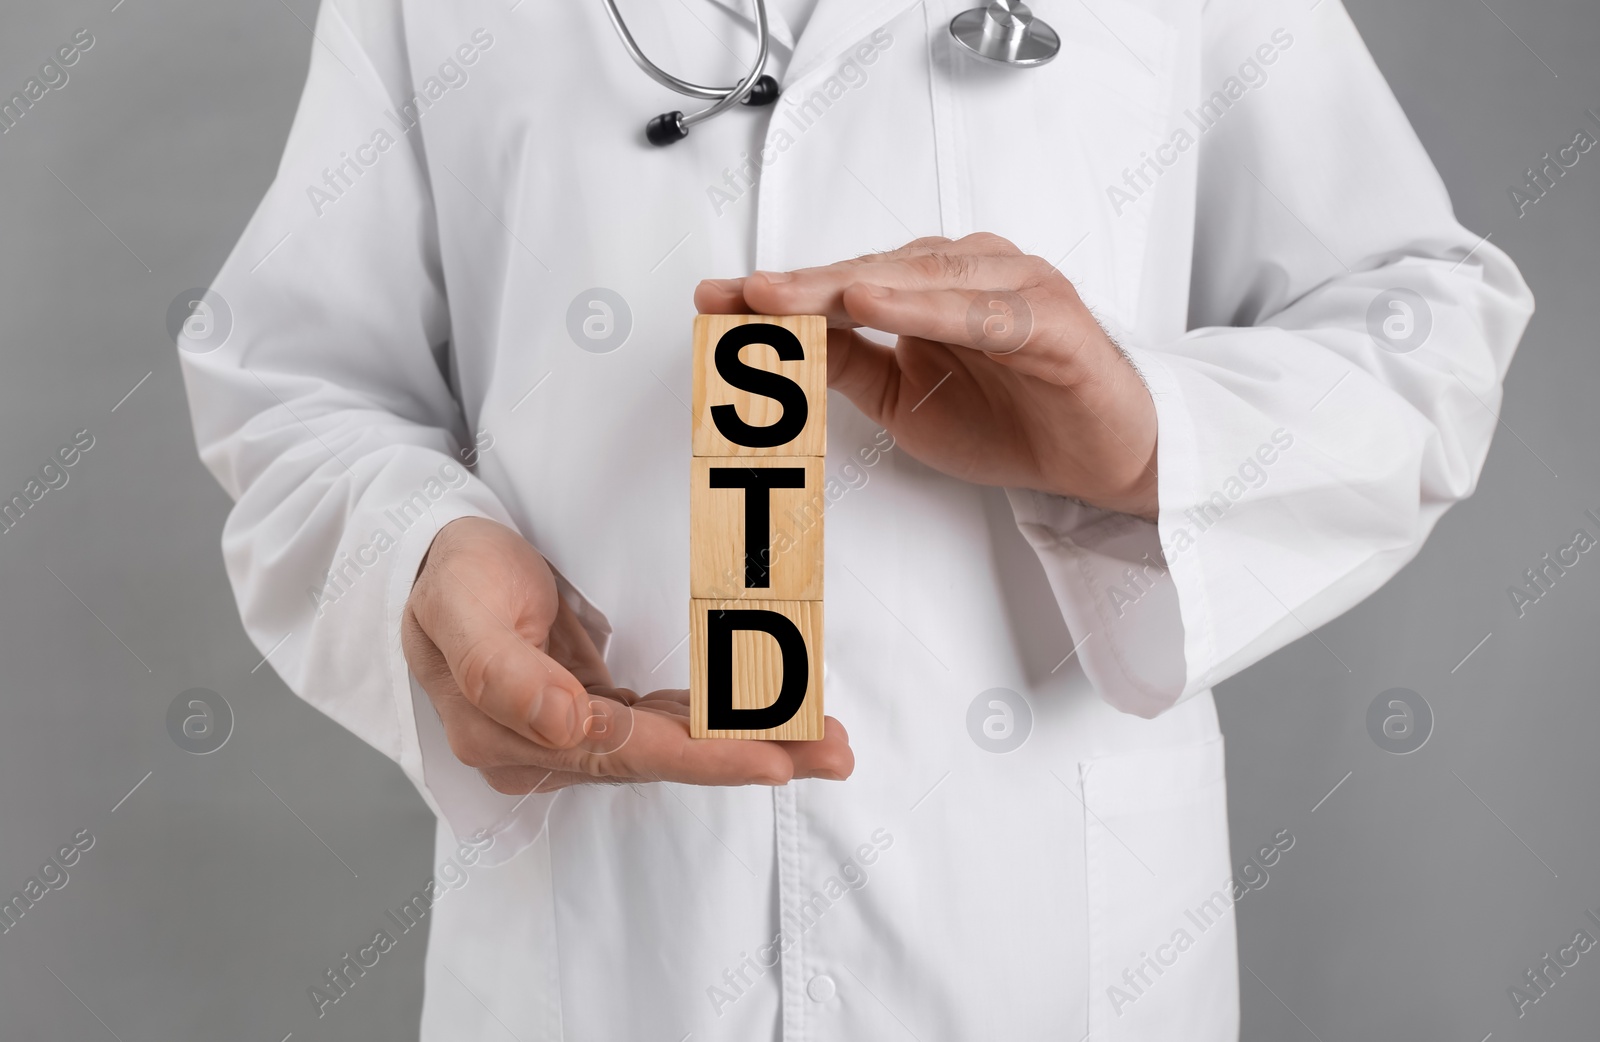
497, 668
830, 758
1038, 332
720, 297
481, 742
726, 296
650, 743
665, 702
660, 749
820, 291
885, 383
926, 242
678, 696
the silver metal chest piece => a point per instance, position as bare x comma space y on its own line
1005, 33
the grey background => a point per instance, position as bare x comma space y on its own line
216, 893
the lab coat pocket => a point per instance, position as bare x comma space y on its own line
1162, 957
1035, 154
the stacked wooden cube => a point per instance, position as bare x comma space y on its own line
755, 523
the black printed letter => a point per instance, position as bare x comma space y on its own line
776, 386
721, 624
758, 483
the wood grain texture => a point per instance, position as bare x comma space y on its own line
811, 373
793, 535
757, 670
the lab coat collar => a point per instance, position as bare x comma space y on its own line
836, 26
744, 11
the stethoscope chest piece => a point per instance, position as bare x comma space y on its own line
1005, 33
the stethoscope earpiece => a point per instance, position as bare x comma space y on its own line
763, 92
665, 129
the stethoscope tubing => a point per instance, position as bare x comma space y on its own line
1003, 32
722, 98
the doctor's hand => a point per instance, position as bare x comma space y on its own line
1000, 376
526, 698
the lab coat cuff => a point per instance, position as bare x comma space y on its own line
1128, 588
498, 824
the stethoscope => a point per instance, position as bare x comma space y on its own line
1003, 33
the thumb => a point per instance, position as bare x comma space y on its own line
489, 626
864, 372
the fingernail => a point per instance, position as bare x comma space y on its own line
724, 284
775, 276
876, 291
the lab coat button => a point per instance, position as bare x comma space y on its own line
821, 988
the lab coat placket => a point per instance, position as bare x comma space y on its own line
835, 27
771, 193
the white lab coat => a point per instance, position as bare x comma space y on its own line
382, 328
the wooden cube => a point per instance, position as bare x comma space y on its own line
749, 401
755, 523
747, 658
756, 528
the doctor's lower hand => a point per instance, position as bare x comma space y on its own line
526, 698
1000, 375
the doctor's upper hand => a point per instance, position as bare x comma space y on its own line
1000, 376
526, 698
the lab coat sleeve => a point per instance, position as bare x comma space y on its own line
328, 415
1302, 462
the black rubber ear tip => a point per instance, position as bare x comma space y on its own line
764, 91
665, 129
